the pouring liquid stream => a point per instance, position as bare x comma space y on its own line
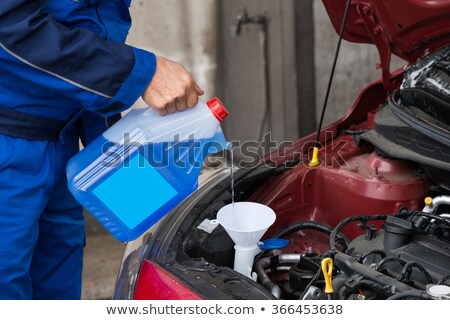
232, 177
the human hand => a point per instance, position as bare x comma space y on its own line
172, 88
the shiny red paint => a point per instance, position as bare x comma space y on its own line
364, 184
154, 283
410, 29
361, 114
413, 28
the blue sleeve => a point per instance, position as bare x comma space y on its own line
105, 77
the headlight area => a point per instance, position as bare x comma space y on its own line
176, 260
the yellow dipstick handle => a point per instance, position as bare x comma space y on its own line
327, 269
315, 158
428, 201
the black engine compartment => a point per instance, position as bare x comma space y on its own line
414, 254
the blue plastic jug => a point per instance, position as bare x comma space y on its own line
145, 165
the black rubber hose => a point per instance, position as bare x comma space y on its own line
343, 223
350, 266
408, 268
308, 225
381, 253
444, 279
432, 216
303, 225
387, 260
413, 294
378, 288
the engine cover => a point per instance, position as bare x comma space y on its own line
415, 136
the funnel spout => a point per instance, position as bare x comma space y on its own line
243, 260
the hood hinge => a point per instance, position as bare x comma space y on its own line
381, 41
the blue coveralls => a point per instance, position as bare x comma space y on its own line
63, 70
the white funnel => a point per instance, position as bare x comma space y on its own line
245, 223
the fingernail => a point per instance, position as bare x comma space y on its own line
199, 90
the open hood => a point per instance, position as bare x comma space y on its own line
410, 29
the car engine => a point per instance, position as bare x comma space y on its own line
408, 258
384, 184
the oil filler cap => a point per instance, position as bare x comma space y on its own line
439, 292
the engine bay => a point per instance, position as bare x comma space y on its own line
371, 222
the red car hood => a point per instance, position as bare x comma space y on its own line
410, 29
413, 28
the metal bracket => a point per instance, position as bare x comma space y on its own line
380, 40
243, 18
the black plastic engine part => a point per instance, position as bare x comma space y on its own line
431, 73
398, 233
404, 252
398, 139
217, 282
216, 247
350, 266
439, 176
424, 111
303, 272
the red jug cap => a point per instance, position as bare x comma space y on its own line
218, 109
